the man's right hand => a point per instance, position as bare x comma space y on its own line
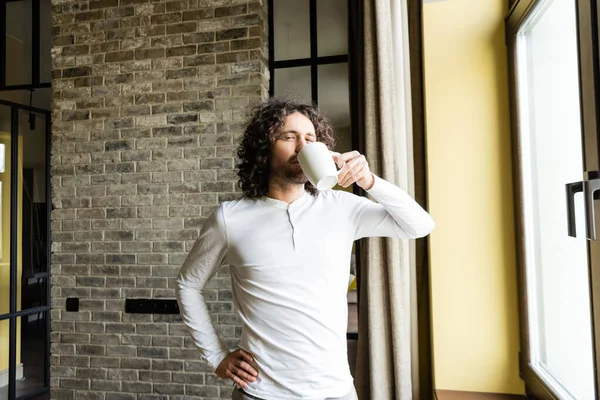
236, 366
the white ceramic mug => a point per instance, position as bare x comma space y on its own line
318, 165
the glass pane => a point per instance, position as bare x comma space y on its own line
31, 350
40, 98
557, 265
33, 268
4, 347
18, 42
291, 26
332, 27
5, 128
293, 83
45, 41
334, 101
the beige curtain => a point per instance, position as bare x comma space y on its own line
385, 364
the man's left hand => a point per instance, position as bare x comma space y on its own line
354, 168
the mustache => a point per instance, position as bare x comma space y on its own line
293, 159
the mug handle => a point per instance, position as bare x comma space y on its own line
335, 153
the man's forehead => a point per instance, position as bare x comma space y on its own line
298, 124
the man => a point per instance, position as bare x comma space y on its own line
289, 248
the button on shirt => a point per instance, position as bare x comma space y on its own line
289, 266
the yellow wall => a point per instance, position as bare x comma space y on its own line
473, 263
5, 254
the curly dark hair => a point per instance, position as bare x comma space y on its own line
254, 150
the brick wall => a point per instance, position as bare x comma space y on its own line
149, 99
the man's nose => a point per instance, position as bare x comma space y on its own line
300, 143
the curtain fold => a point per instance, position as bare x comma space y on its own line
384, 359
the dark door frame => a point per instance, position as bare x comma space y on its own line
13, 314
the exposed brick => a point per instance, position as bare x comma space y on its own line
157, 376
95, 4
233, 57
202, 391
153, 352
166, 388
137, 387
177, 119
76, 72
89, 16
118, 34
181, 73
230, 11
200, 37
185, 27
105, 362
246, 44
150, 98
142, 54
167, 365
230, 34
181, 51
219, 47
246, 20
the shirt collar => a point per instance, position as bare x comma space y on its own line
284, 206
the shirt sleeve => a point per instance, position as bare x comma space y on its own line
395, 214
201, 264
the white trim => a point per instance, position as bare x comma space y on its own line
4, 375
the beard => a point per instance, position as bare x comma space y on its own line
290, 173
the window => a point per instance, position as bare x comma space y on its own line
553, 50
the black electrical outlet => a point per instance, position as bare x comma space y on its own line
72, 304
151, 306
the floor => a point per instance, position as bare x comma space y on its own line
456, 395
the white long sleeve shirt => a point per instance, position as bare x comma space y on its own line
289, 266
